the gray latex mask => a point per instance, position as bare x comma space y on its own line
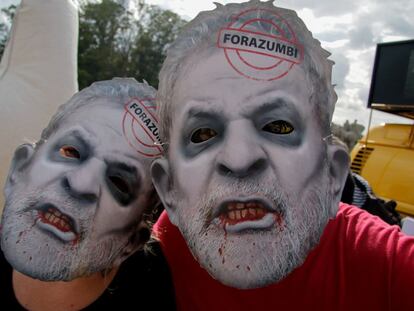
249, 177
75, 200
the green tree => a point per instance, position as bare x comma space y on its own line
116, 42
160, 29
8, 14
99, 28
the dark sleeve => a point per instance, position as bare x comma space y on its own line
143, 282
348, 192
7, 296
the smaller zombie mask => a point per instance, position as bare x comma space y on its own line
75, 199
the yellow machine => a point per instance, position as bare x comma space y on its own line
385, 157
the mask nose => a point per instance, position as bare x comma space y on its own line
242, 154
83, 182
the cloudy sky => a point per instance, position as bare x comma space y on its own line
349, 29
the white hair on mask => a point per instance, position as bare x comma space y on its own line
118, 90
201, 34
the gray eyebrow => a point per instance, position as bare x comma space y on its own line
278, 103
205, 111
199, 112
129, 160
78, 135
122, 166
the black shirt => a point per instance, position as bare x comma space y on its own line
143, 282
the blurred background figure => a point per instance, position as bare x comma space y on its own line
358, 192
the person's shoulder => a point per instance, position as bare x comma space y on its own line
376, 250
347, 210
364, 230
353, 215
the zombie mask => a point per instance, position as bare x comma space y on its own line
249, 176
75, 199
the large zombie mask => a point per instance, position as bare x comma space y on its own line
248, 176
75, 200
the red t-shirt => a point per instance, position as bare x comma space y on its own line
361, 263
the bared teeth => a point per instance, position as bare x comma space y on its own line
238, 215
239, 211
57, 219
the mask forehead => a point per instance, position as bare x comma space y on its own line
260, 44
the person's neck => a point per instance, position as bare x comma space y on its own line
39, 295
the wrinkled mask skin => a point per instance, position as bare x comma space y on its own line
74, 203
249, 179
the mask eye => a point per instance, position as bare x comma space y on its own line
202, 135
69, 152
119, 184
280, 127
123, 182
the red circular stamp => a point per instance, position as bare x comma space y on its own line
140, 127
260, 48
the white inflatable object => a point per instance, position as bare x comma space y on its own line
38, 72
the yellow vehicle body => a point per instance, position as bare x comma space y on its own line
385, 157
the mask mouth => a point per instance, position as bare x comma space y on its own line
52, 220
249, 214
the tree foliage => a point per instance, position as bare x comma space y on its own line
349, 133
114, 41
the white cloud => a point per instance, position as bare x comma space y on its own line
340, 70
189, 8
